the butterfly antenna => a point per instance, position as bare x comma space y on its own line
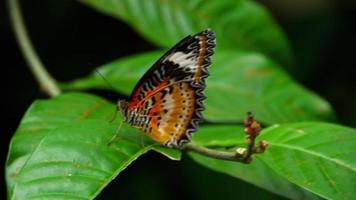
105, 80
113, 138
112, 88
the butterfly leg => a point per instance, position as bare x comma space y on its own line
117, 135
142, 141
114, 116
113, 138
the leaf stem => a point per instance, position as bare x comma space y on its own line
238, 156
45, 80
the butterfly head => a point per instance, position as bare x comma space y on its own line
123, 106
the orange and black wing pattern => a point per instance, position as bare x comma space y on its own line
168, 100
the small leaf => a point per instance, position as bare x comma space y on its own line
238, 82
61, 151
239, 24
318, 157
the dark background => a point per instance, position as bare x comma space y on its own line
72, 39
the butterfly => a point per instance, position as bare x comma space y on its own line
167, 102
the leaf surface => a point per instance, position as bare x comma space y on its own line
238, 24
318, 157
238, 82
61, 151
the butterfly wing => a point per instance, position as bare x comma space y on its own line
168, 100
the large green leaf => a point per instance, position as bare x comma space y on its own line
257, 173
60, 149
239, 82
318, 157
239, 24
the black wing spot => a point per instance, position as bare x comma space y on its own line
170, 90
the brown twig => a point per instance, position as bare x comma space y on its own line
252, 130
243, 155
222, 155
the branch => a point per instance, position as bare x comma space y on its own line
222, 155
44, 79
243, 155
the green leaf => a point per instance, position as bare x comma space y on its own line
173, 154
238, 24
256, 173
61, 151
239, 82
318, 157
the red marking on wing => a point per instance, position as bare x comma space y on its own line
137, 102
